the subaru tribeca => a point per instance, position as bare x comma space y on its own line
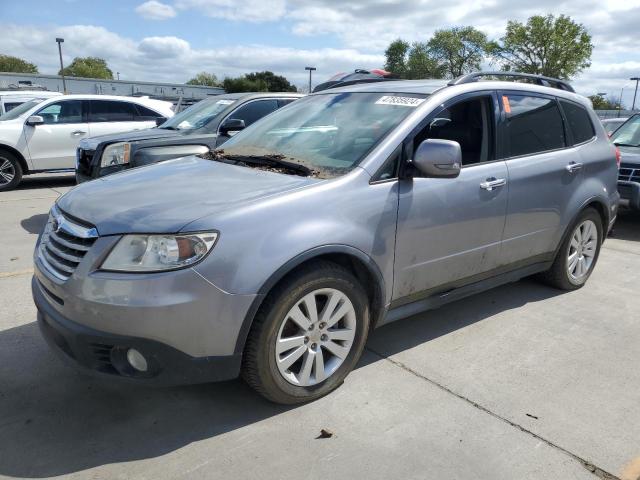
351, 208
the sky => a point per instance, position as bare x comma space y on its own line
172, 40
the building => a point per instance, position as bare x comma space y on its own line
173, 92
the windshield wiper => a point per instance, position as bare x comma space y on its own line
276, 161
624, 145
167, 128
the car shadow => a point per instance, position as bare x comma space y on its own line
627, 226
35, 223
31, 182
57, 421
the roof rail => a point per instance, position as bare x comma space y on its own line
537, 79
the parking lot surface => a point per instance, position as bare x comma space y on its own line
522, 381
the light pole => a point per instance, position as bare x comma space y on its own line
118, 74
64, 83
633, 107
311, 69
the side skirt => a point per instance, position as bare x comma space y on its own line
442, 298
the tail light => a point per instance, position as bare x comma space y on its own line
618, 157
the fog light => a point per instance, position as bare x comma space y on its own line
137, 360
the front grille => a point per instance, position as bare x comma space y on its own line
64, 244
83, 161
629, 173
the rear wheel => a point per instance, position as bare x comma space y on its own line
10, 171
308, 335
578, 254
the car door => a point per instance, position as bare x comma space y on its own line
543, 175
52, 144
114, 116
250, 112
449, 230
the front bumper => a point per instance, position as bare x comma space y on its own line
629, 194
105, 353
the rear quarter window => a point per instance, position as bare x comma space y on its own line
578, 121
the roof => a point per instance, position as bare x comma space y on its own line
430, 86
29, 93
239, 95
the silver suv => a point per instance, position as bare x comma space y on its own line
341, 212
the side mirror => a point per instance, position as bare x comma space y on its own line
437, 158
160, 121
34, 120
231, 126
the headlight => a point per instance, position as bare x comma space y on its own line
150, 253
115, 154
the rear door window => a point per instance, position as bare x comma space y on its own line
578, 122
533, 124
255, 110
111, 111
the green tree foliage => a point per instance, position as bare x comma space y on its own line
458, 50
206, 79
88, 67
412, 61
396, 55
545, 45
274, 83
16, 65
602, 103
422, 64
258, 82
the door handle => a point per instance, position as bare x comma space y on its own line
78, 132
492, 183
573, 167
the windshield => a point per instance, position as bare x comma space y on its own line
629, 133
20, 109
328, 134
198, 115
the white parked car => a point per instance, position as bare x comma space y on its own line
42, 135
10, 99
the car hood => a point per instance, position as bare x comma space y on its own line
165, 197
630, 155
92, 143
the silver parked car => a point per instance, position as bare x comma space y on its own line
347, 209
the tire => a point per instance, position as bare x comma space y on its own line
265, 367
558, 275
10, 171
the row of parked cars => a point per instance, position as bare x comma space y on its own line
274, 256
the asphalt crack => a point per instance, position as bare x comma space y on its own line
594, 469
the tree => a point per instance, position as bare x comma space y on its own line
396, 55
546, 45
16, 65
274, 83
88, 67
459, 50
601, 103
206, 79
421, 63
258, 82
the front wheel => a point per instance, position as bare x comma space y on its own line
578, 253
308, 335
10, 171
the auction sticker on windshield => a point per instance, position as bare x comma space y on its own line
225, 102
403, 101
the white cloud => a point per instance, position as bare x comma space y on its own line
174, 59
243, 10
154, 10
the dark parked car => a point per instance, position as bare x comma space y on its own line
205, 125
627, 139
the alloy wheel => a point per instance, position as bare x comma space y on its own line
315, 337
582, 250
7, 171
